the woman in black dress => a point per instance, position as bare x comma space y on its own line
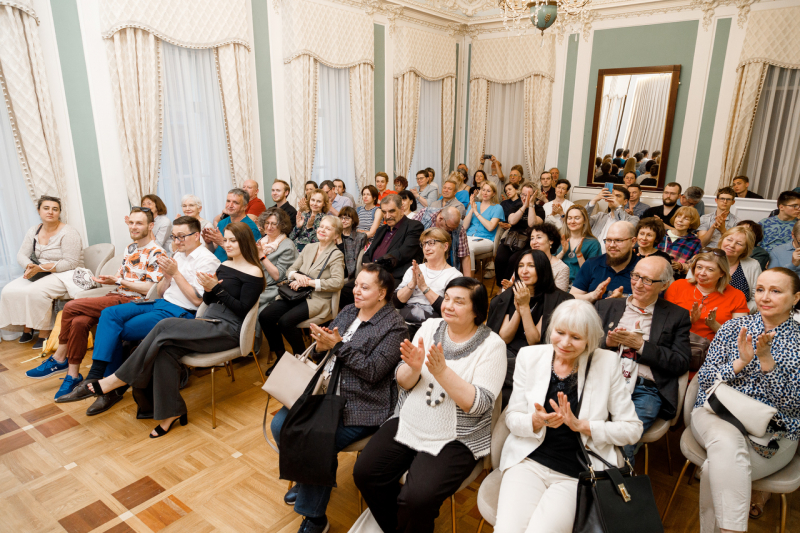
229, 294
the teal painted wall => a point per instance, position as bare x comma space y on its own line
566, 104
455, 106
641, 46
81, 118
713, 85
380, 97
266, 112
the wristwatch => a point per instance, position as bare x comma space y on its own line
426, 291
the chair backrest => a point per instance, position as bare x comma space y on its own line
498, 238
335, 303
500, 433
201, 311
97, 255
688, 401
247, 336
359, 261
152, 294
111, 267
683, 383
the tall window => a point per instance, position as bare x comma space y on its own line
504, 127
773, 159
17, 213
334, 157
194, 152
428, 146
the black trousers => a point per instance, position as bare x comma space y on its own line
280, 319
413, 507
503, 268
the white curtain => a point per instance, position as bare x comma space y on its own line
194, 151
615, 90
645, 129
333, 158
428, 145
362, 103
504, 126
17, 213
301, 121
773, 158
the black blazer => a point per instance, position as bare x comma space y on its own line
404, 248
502, 303
667, 353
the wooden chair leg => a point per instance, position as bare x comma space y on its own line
694, 473
213, 403
646, 458
480, 526
290, 486
453, 511
227, 371
784, 511
230, 365
669, 455
674, 490
258, 365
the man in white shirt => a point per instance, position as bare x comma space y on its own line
337, 202
713, 225
341, 190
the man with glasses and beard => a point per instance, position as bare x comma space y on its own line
669, 197
609, 275
652, 336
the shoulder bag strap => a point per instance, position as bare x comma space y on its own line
586, 459
321, 270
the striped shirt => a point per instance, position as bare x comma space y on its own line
366, 217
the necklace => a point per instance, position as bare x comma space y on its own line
571, 372
571, 253
702, 298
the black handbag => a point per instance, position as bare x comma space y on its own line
517, 240
308, 435
290, 295
35, 260
614, 500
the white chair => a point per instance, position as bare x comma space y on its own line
97, 255
783, 482
213, 360
661, 427
324, 317
109, 268
489, 491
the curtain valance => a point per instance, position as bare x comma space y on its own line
22, 5
772, 38
430, 55
186, 23
337, 38
512, 59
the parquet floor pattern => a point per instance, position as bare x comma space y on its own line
63, 471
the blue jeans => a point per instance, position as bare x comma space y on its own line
647, 403
129, 322
312, 500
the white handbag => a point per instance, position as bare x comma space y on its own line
753, 415
366, 523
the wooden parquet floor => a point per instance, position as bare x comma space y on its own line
63, 471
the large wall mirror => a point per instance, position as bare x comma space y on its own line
633, 110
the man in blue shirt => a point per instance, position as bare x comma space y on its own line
236, 209
609, 275
787, 255
778, 229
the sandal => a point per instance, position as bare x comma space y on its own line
757, 508
160, 431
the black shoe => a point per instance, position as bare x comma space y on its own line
291, 496
26, 337
81, 392
104, 403
39, 344
310, 527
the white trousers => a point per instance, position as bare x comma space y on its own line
535, 499
478, 246
30, 304
730, 468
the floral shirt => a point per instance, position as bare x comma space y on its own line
303, 235
140, 264
779, 388
776, 232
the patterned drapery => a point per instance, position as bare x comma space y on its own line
362, 98
478, 116
301, 121
233, 69
406, 109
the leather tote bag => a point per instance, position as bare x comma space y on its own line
308, 435
614, 500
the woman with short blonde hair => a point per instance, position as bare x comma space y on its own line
680, 243
737, 243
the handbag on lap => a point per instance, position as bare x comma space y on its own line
750, 416
290, 295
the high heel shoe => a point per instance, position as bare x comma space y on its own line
184, 419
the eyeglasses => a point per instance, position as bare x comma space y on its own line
793, 206
725, 199
181, 238
616, 241
715, 251
429, 243
343, 217
270, 224
647, 281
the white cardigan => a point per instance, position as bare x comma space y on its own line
751, 270
606, 404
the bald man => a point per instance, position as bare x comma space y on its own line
255, 207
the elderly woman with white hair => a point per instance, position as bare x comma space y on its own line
580, 400
191, 206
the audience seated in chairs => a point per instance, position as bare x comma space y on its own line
448, 198
556, 209
276, 253
421, 291
788, 255
635, 206
162, 225
546, 192
179, 297
740, 185
461, 177
409, 202
577, 242
548, 425
27, 303
521, 214
395, 245
757, 356
449, 219
714, 224
482, 222
137, 273
366, 337
616, 203
280, 194
430, 435
309, 187
521, 313
693, 197
309, 217
708, 295
254, 206
427, 191
236, 209
370, 214
778, 228
230, 294
351, 242
400, 184
680, 242
341, 190
191, 206
651, 336
650, 234
737, 243
608, 275
758, 253
320, 266
545, 238
382, 184
669, 206
337, 203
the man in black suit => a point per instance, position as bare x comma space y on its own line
395, 245
654, 338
